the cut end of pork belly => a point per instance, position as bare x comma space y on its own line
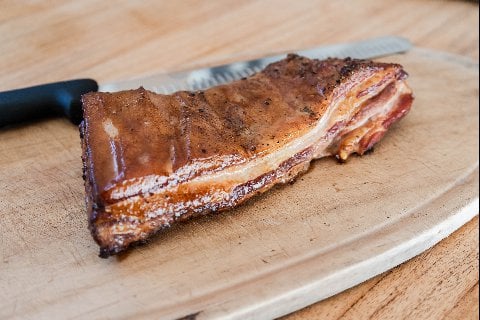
151, 160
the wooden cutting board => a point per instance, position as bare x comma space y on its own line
337, 226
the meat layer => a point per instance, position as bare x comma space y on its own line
151, 160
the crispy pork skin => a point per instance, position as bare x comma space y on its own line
151, 160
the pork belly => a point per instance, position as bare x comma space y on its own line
151, 160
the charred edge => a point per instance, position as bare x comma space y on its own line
402, 75
91, 205
111, 249
191, 316
105, 253
340, 160
81, 129
369, 151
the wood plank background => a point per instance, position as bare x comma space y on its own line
55, 40
441, 283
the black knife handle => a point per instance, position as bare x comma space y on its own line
59, 98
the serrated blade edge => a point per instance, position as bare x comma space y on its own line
207, 77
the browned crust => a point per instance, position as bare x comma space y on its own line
318, 83
243, 119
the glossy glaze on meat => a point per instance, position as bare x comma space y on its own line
151, 160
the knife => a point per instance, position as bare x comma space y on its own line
63, 98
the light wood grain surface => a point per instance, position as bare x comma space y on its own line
54, 40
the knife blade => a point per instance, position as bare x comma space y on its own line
207, 77
63, 98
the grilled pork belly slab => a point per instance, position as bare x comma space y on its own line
151, 160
